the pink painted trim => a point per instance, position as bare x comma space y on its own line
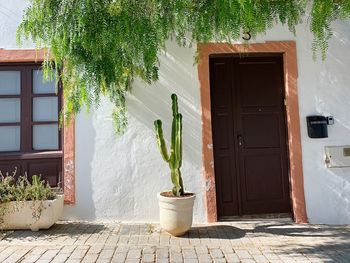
288, 48
23, 55
33, 55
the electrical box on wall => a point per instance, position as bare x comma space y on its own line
317, 126
337, 156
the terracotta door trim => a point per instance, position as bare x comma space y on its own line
288, 49
31, 56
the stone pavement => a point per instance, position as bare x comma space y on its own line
249, 241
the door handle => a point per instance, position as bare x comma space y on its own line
240, 140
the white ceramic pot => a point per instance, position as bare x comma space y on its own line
19, 214
176, 213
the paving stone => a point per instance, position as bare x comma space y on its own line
90, 258
132, 261
189, 253
164, 240
68, 249
201, 249
248, 261
146, 258
106, 254
117, 242
227, 249
7, 253
148, 250
49, 254
216, 253
121, 249
243, 254
260, 258
119, 257
30, 258
162, 260
204, 258
16, 255
134, 254
232, 258
176, 257
174, 248
162, 253
78, 254
71, 261
60, 258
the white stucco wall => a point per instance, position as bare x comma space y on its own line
118, 177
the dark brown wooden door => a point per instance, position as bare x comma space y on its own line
249, 135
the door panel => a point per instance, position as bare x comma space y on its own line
49, 170
267, 125
249, 135
258, 170
225, 165
9, 167
257, 87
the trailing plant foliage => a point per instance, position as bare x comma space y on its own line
323, 13
105, 44
24, 190
21, 189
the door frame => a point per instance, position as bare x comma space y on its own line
288, 50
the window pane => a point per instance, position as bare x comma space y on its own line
45, 137
45, 109
40, 85
10, 110
10, 82
9, 138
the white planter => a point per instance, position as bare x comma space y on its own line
176, 213
19, 214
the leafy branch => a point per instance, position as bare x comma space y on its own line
104, 44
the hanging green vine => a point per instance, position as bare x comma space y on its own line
105, 44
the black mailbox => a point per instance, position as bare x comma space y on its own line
317, 126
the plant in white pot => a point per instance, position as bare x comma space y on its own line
175, 206
28, 205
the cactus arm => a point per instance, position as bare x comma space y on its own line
178, 141
160, 140
172, 145
175, 106
172, 162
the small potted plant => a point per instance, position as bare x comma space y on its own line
175, 206
28, 204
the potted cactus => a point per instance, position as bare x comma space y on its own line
175, 206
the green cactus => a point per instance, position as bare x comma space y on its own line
174, 159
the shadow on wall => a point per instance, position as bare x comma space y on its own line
329, 199
118, 176
84, 138
148, 103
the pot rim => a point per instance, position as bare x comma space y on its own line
58, 197
192, 195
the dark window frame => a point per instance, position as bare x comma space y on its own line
26, 121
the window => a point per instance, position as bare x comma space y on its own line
30, 138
